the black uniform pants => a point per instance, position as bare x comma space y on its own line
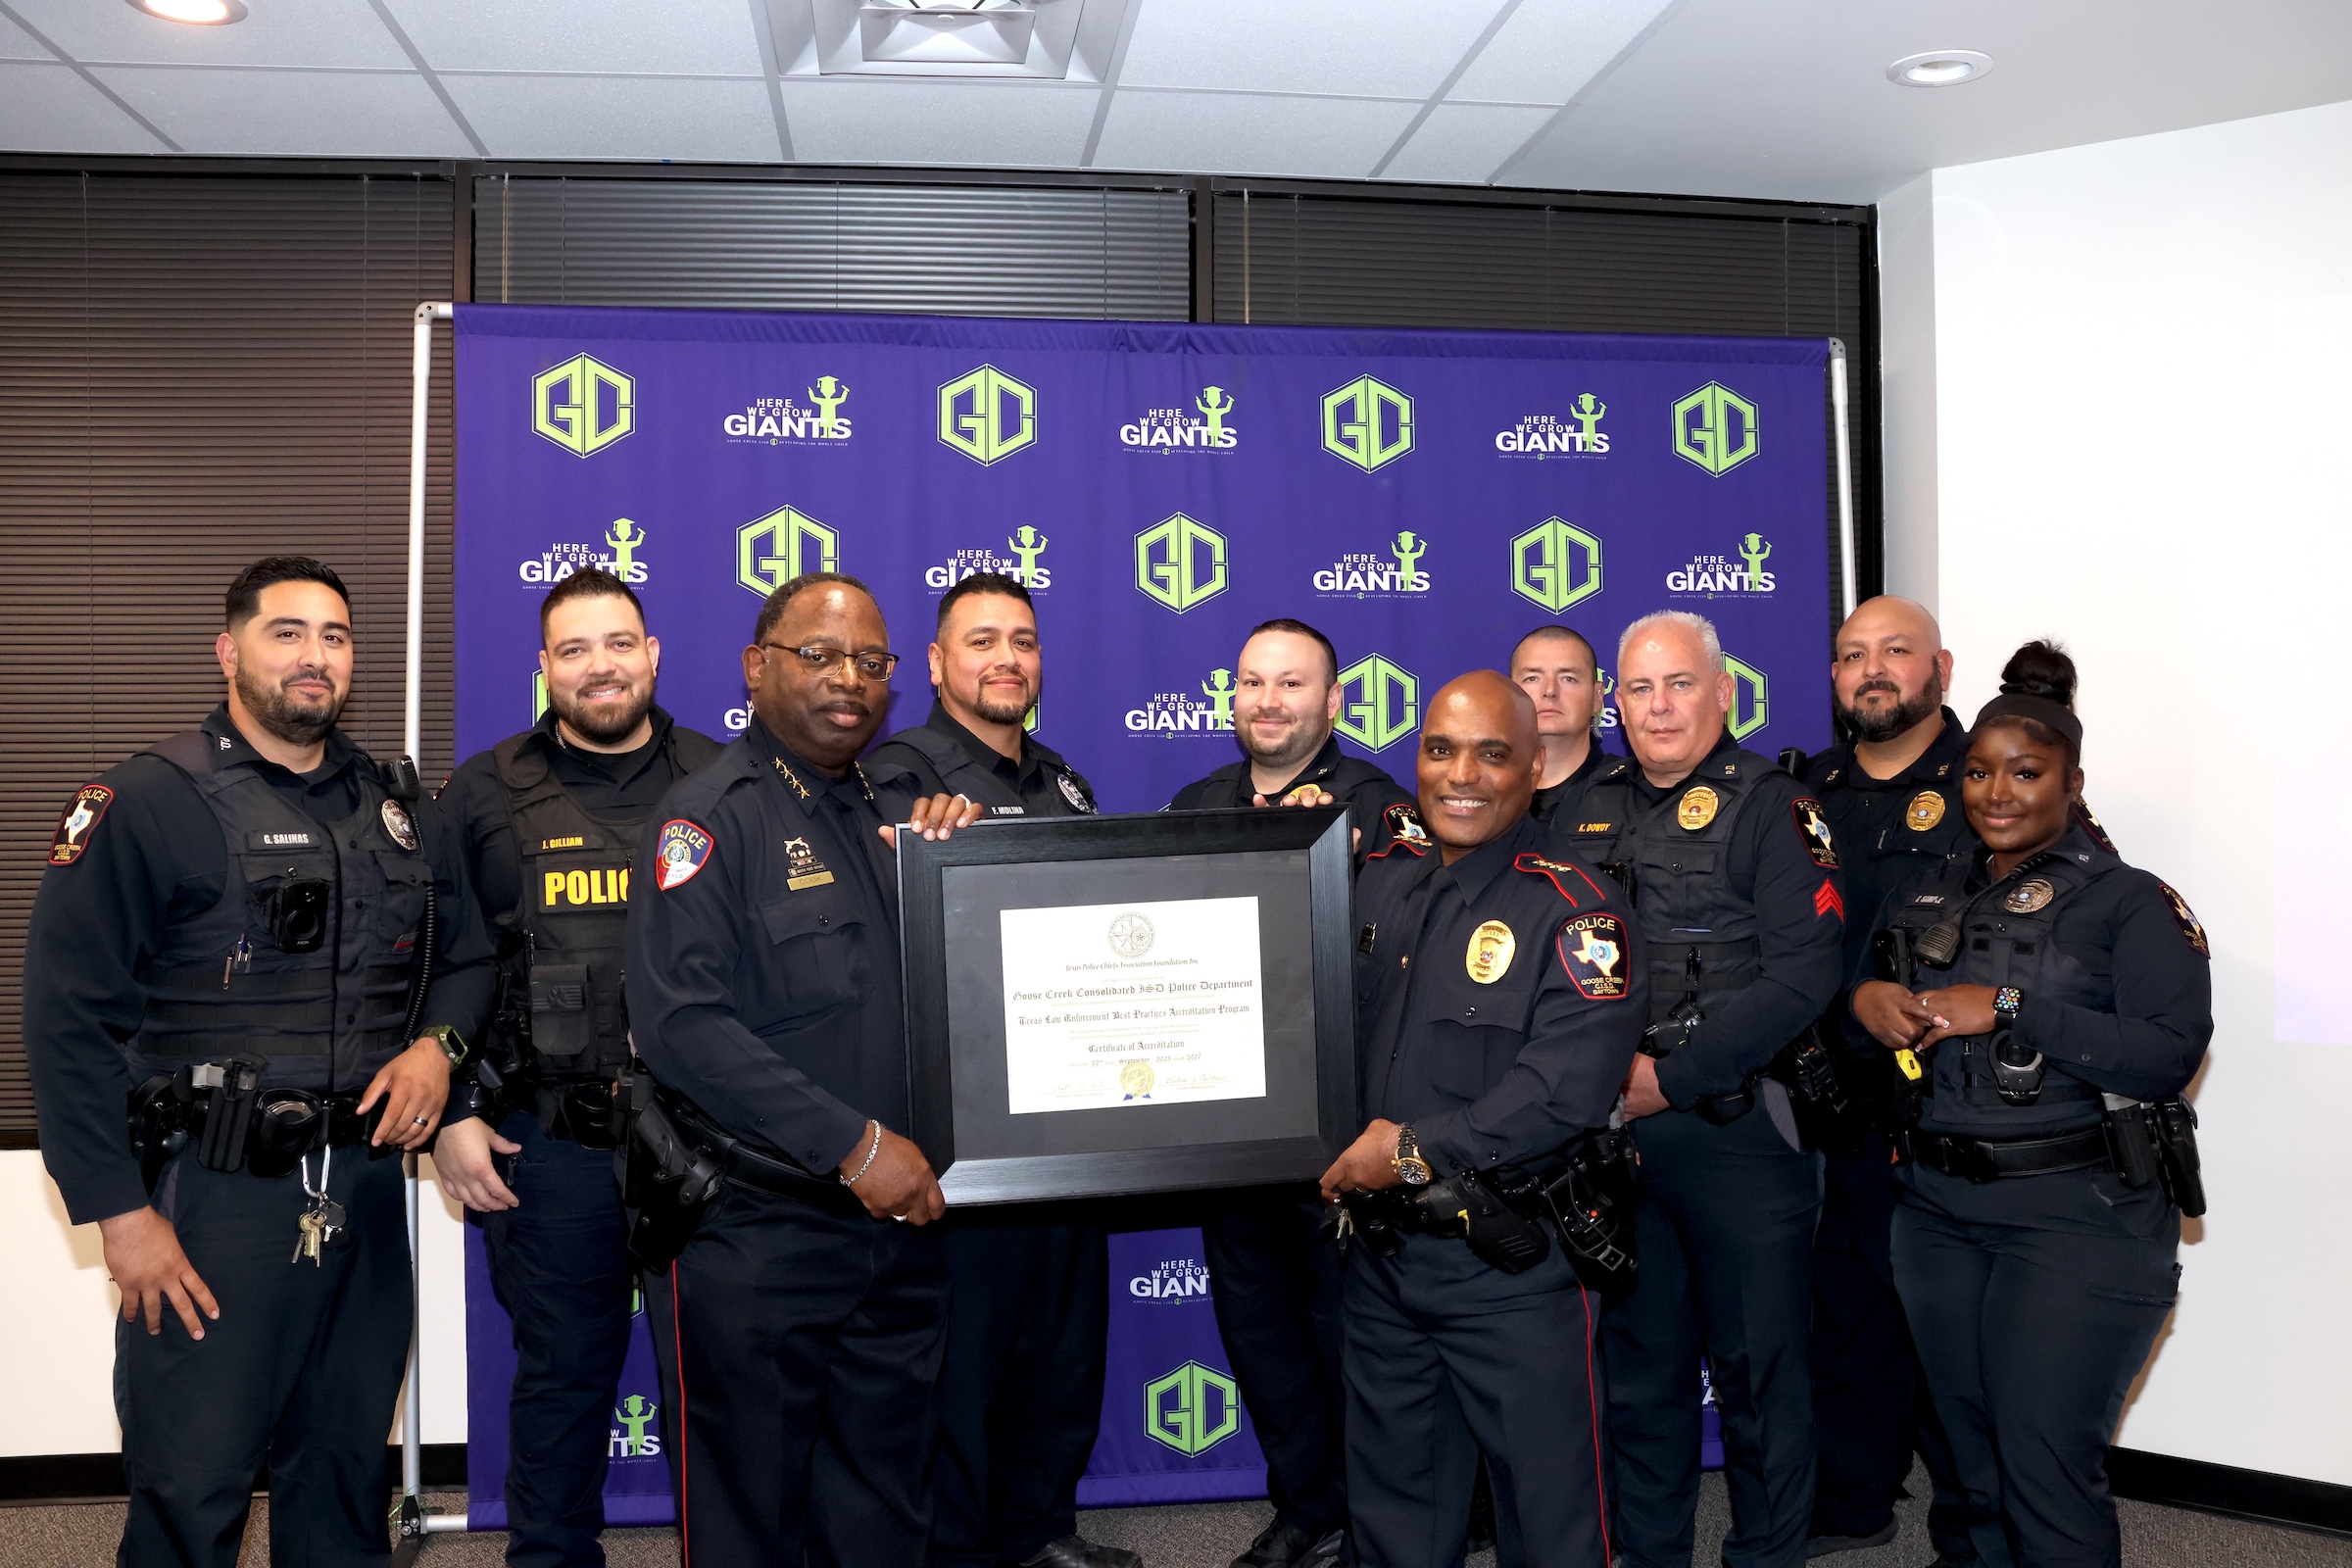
1020, 1396
1275, 1282
1863, 1379
1725, 1224
2034, 1301
560, 1268
801, 1344
301, 1371
1446, 1358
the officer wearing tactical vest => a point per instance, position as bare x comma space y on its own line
263, 942
551, 819
1020, 1396
1736, 879
1500, 996
2063, 1000
1275, 1280
1892, 793
1561, 675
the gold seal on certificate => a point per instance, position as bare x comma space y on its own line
1131, 1003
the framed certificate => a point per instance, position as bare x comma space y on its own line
1099, 1005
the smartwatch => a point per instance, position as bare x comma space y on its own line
2005, 1003
1410, 1167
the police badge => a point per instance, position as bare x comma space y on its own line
1923, 813
2029, 896
400, 824
1490, 948
1697, 809
1078, 798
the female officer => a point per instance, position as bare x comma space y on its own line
2055, 992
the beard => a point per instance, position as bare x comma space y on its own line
603, 723
296, 720
1300, 744
1873, 725
1004, 710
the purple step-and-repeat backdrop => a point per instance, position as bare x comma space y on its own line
1421, 497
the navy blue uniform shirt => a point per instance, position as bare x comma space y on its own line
1498, 1000
763, 953
1377, 807
905, 775
155, 858
1553, 798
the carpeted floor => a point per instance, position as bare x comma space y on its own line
1209, 1535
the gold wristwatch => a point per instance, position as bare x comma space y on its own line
1411, 1168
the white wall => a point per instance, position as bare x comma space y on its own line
2142, 356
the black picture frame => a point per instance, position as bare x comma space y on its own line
1297, 858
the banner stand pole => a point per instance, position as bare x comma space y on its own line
1845, 481
415, 1523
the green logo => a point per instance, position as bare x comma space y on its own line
1715, 427
1755, 550
1214, 402
1368, 422
1192, 1410
778, 548
986, 415
568, 405
538, 695
829, 394
1587, 412
1556, 564
1380, 703
624, 538
1028, 544
1180, 563
636, 1412
1408, 548
1749, 704
1218, 689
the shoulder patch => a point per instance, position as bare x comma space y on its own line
1560, 872
78, 821
683, 849
2098, 836
1403, 821
1816, 830
2186, 920
1593, 950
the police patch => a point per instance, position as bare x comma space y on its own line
1593, 950
2185, 920
1404, 822
1816, 829
400, 824
76, 822
681, 852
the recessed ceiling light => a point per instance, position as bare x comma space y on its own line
196, 13
1939, 67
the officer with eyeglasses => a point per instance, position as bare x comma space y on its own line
551, 818
801, 1317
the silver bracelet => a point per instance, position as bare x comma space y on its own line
871, 1149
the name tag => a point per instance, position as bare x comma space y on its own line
280, 841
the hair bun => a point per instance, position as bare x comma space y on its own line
2041, 668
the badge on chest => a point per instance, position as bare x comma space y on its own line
1490, 948
802, 868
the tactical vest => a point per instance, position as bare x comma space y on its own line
574, 911
222, 984
967, 775
2006, 932
1675, 856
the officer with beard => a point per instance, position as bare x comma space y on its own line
1274, 1275
1561, 674
233, 936
551, 819
1020, 1397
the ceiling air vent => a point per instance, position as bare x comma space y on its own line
1036, 41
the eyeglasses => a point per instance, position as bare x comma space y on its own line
818, 661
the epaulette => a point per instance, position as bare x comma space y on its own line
1615, 770
1557, 872
1384, 851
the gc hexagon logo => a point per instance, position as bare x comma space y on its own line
986, 415
1556, 564
1379, 703
1192, 1410
1715, 427
1750, 701
1181, 563
1368, 422
771, 551
583, 404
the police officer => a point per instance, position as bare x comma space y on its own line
2065, 1002
1020, 1396
1892, 793
1274, 1275
1736, 884
1561, 674
551, 818
1500, 996
232, 936
801, 1326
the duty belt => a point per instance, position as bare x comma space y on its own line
1988, 1159
747, 1164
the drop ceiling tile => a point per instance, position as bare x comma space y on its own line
710, 36
1368, 48
1238, 133
275, 33
290, 114
925, 120
1551, 48
619, 116
50, 108
1464, 143
18, 44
